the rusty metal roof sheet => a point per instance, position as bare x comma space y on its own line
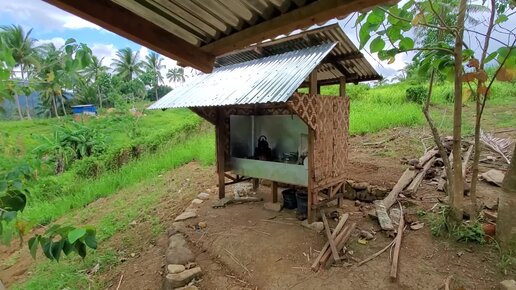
256, 81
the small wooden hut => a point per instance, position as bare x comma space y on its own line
254, 92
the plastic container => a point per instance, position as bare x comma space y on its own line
289, 198
302, 202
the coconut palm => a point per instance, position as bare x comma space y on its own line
91, 73
176, 75
153, 65
127, 64
24, 52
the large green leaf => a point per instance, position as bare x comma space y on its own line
56, 249
491, 56
394, 33
377, 44
364, 34
33, 246
76, 234
81, 249
15, 200
90, 239
406, 43
376, 17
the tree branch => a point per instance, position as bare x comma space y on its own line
409, 21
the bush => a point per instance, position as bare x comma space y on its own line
90, 167
416, 94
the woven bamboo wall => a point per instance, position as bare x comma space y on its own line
329, 117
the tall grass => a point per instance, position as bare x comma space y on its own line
197, 147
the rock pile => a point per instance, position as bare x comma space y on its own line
364, 191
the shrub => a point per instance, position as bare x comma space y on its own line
90, 167
416, 94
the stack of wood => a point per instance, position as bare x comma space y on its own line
408, 183
337, 239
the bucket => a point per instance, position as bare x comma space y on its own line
289, 198
302, 202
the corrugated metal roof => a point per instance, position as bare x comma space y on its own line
265, 80
344, 60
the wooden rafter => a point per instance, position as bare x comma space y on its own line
313, 13
121, 21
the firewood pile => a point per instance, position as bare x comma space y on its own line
335, 246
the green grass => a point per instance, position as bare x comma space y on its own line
137, 175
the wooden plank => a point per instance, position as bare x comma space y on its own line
312, 194
123, 22
397, 246
274, 192
333, 247
313, 13
342, 238
336, 231
416, 182
220, 134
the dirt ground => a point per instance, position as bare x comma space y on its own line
247, 247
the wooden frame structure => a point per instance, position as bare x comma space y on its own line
327, 118
195, 32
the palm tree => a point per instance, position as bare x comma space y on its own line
49, 85
92, 72
127, 64
176, 75
154, 66
24, 52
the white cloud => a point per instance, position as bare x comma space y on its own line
57, 41
107, 52
41, 15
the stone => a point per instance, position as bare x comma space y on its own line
366, 235
175, 268
191, 208
185, 215
358, 203
178, 251
197, 201
1, 286
202, 225
316, 226
190, 265
177, 227
223, 202
360, 185
379, 191
203, 196
273, 206
508, 285
173, 281
493, 176
243, 189
491, 203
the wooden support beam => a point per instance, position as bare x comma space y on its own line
220, 134
274, 192
312, 195
121, 21
256, 183
313, 13
342, 86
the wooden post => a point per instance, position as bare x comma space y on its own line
312, 89
256, 183
342, 86
274, 192
220, 137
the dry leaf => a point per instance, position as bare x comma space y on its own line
506, 74
418, 18
473, 63
481, 76
468, 77
466, 94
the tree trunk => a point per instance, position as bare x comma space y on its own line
17, 101
457, 190
100, 97
27, 107
62, 104
505, 225
479, 110
54, 104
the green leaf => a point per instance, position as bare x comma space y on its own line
491, 56
360, 18
364, 34
67, 247
47, 249
56, 249
376, 17
80, 248
377, 44
69, 49
394, 33
406, 43
33, 246
90, 239
468, 53
502, 18
76, 234
70, 40
14, 201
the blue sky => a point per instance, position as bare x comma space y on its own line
50, 24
